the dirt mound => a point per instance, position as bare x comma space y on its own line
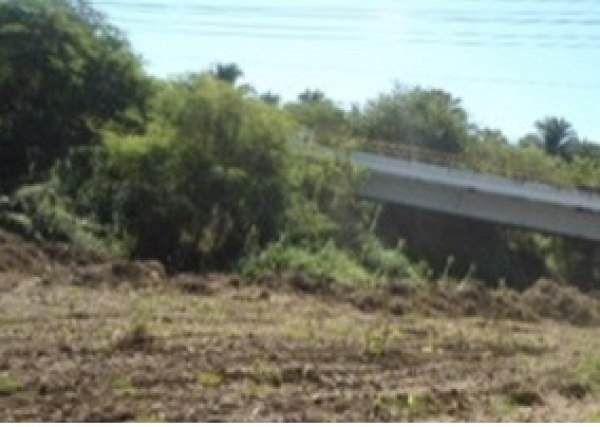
70, 255
562, 302
18, 255
546, 299
205, 285
120, 273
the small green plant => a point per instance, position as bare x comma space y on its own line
377, 341
264, 373
594, 417
210, 379
125, 385
8, 385
588, 374
395, 405
420, 273
504, 407
327, 261
152, 418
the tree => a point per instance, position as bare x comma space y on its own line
271, 98
229, 73
204, 184
429, 118
64, 74
310, 95
557, 135
319, 115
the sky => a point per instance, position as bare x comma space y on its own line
511, 62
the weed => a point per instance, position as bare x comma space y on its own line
377, 341
125, 385
263, 373
446, 273
152, 418
594, 417
588, 374
210, 379
505, 407
394, 405
8, 385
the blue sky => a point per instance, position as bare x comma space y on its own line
510, 61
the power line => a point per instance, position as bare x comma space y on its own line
255, 22
353, 25
455, 39
534, 16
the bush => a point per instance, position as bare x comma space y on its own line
206, 182
327, 262
39, 213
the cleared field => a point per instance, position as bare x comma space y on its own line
100, 343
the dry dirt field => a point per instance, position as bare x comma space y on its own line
85, 339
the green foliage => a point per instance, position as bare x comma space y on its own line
557, 135
328, 231
60, 44
427, 118
326, 262
40, 213
377, 341
8, 385
323, 204
319, 116
202, 174
228, 73
203, 185
210, 379
588, 374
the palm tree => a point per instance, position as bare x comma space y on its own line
556, 134
229, 73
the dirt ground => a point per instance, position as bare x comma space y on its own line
86, 339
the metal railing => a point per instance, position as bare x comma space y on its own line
504, 166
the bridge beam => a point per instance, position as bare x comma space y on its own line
479, 196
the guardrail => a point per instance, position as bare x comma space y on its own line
522, 173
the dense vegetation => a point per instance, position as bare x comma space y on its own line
202, 173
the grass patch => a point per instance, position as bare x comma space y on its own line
152, 418
505, 407
394, 406
594, 417
265, 373
210, 379
9, 385
125, 385
588, 374
379, 339
326, 262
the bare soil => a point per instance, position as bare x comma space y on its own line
88, 339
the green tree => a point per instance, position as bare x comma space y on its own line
427, 118
207, 183
229, 73
310, 95
557, 135
319, 115
271, 98
64, 73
